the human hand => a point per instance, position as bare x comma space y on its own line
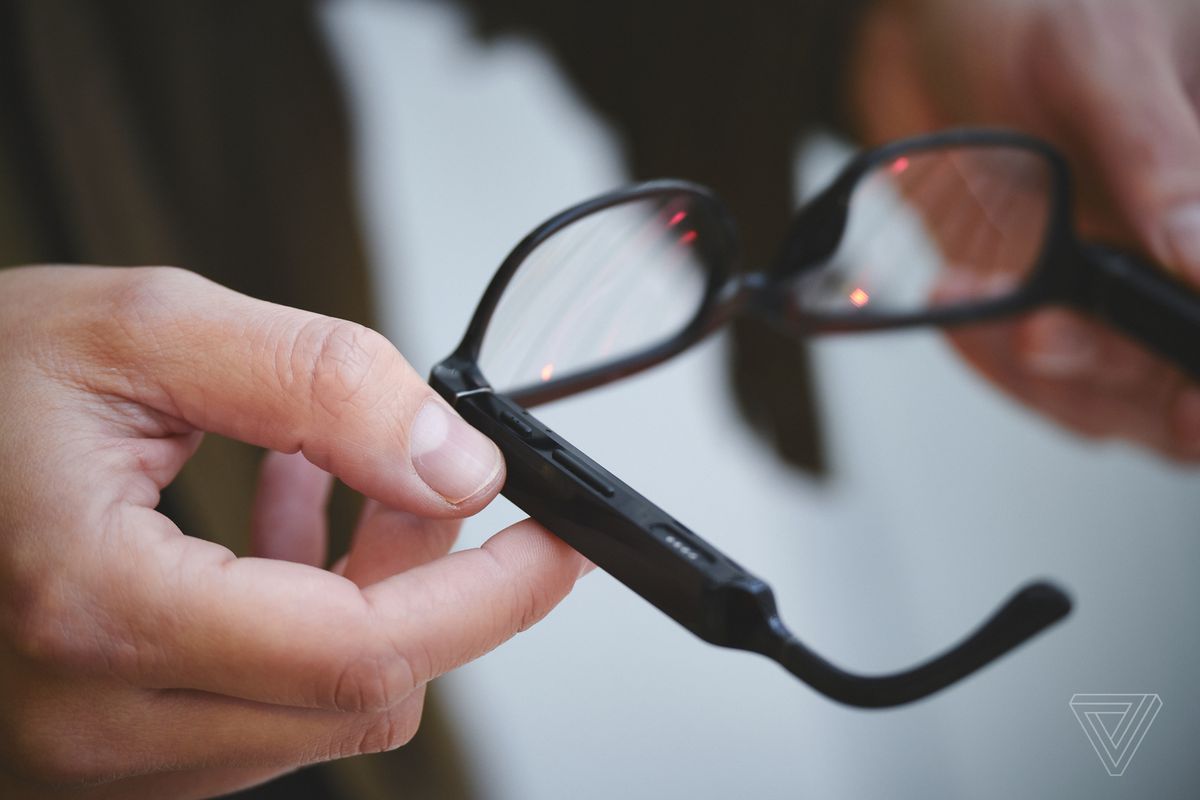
1116, 85
136, 661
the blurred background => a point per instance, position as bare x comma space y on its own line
938, 496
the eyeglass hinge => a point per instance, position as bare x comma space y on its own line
454, 380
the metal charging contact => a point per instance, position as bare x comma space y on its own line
680, 542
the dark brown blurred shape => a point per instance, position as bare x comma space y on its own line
719, 93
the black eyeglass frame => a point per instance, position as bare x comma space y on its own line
669, 565
1110, 284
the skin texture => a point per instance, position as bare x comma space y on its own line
137, 661
1116, 85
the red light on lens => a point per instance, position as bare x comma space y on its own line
679, 217
688, 237
859, 298
547, 372
899, 165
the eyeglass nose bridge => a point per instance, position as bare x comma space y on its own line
815, 232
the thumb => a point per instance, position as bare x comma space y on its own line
1122, 95
291, 381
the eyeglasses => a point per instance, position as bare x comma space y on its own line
945, 229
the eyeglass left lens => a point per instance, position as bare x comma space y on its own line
934, 229
606, 287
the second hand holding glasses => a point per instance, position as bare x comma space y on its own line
946, 229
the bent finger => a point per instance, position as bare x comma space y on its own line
193, 616
1091, 380
133, 734
1123, 100
389, 541
455, 609
288, 520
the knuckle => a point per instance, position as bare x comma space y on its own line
538, 603
372, 682
45, 629
532, 599
136, 312
343, 362
41, 629
137, 294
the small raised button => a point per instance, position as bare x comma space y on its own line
517, 424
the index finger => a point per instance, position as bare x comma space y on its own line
196, 617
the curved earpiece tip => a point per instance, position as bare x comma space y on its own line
1031, 610
1041, 602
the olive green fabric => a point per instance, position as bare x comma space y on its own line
202, 135
208, 136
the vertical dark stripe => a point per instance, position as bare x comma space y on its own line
25, 145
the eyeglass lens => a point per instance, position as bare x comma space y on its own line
935, 229
607, 286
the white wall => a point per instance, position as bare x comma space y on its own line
945, 497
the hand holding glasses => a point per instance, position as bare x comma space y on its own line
945, 229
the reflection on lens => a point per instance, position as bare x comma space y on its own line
607, 286
933, 229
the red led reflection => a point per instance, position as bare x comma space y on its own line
679, 217
899, 165
859, 298
688, 237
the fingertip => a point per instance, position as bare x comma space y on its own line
530, 547
1182, 238
454, 609
460, 464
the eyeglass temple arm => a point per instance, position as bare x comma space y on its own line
1139, 300
1031, 610
694, 583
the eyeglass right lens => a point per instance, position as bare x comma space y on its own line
607, 286
933, 229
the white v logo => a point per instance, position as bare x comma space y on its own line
1115, 724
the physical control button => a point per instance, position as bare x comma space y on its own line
584, 473
523, 429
